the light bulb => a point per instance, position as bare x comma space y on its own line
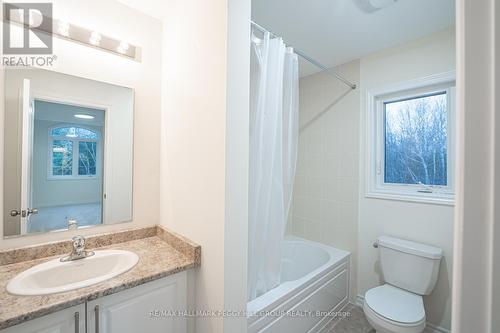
95, 38
123, 47
63, 28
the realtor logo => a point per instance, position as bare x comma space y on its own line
27, 28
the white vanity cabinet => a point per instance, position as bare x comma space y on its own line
148, 308
69, 320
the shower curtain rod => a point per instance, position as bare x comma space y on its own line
311, 60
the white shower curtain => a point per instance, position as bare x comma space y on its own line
273, 156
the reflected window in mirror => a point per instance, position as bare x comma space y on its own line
73, 152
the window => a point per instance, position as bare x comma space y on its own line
416, 139
411, 147
73, 152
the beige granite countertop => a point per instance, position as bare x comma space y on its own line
159, 256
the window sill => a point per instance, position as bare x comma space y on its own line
440, 199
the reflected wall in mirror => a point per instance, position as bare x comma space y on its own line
68, 152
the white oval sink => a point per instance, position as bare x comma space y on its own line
55, 276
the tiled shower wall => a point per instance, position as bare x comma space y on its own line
325, 203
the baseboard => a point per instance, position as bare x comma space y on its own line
436, 329
431, 328
360, 299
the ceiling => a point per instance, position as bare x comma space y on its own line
334, 32
65, 113
153, 8
337, 31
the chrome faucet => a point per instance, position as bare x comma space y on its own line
79, 251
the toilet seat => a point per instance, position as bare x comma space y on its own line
390, 309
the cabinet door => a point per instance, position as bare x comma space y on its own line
146, 308
70, 320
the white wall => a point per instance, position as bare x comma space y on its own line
325, 204
237, 163
114, 19
193, 141
431, 224
476, 289
495, 222
205, 146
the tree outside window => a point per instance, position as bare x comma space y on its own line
73, 152
416, 141
410, 131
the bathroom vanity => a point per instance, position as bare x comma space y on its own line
69, 147
142, 308
146, 308
150, 297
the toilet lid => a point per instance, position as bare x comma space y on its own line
396, 304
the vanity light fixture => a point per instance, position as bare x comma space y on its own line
84, 116
65, 30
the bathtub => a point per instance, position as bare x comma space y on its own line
314, 286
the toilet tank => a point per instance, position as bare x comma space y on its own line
409, 265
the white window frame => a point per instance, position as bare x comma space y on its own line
375, 141
76, 152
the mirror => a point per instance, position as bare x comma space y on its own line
68, 152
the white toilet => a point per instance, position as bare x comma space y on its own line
410, 270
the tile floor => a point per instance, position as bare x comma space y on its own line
355, 323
